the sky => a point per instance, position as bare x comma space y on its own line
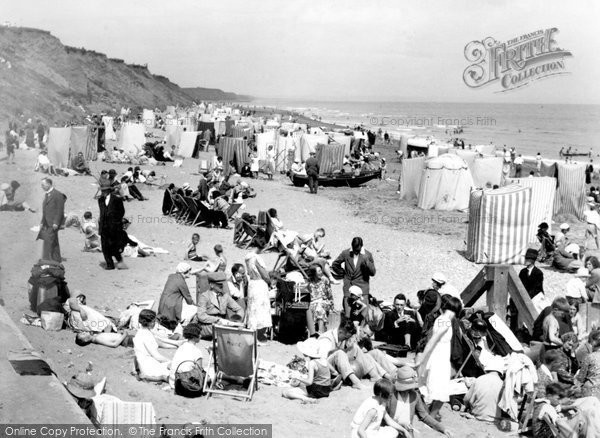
350, 50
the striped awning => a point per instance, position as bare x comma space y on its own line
570, 195
330, 157
543, 190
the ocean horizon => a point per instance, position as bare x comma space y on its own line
530, 128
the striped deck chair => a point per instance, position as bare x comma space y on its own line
235, 358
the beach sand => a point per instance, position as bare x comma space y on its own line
407, 250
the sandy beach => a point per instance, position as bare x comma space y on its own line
408, 245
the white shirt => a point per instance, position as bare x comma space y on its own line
43, 160
592, 217
186, 352
576, 289
107, 200
519, 160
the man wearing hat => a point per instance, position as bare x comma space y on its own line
53, 218
533, 281
216, 306
431, 302
407, 401
312, 171
483, 397
174, 293
110, 223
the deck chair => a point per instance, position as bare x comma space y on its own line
235, 355
233, 208
182, 208
243, 231
205, 217
261, 237
525, 413
194, 210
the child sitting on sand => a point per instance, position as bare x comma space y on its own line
219, 264
89, 227
318, 384
367, 419
192, 252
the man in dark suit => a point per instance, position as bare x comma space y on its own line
217, 306
358, 268
110, 225
53, 218
312, 171
400, 326
533, 280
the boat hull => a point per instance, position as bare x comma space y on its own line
336, 180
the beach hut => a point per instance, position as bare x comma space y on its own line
187, 143
263, 141
65, 143
446, 184
499, 225
487, 171
410, 177
308, 143
542, 200
233, 149
330, 157
344, 139
131, 138
148, 118
571, 193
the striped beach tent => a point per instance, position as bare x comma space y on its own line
543, 190
570, 196
242, 131
235, 149
330, 157
84, 140
410, 177
499, 225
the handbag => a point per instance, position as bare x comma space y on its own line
190, 383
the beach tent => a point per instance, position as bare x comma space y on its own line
571, 193
487, 170
499, 225
404, 145
131, 138
173, 133
59, 143
207, 118
148, 118
235, 149
410, 177
204, 127
308, 143
468, 156
109, 129
542, 200
485, 149
242, 131
83, 140
187, 143
170, 110
330, 157
446, 184
285, 146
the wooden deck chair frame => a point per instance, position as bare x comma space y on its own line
214, 358
184, 211
172, 211
204, 212
233, 209
471, 354
242, 231
282, 259
193, 208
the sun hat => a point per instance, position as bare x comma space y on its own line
405, 379
356, 291
309, 348
564, 226
438, 277
183, 268
244, 184
4, 186
572, 248
82, 385
582, 272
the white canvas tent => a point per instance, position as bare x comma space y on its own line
148, 118
131, 138
445, 184
109, 133
187, 143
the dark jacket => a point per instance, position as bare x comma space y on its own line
534, 282
170, 304
53, 209
358, 275
110, 220
312, 166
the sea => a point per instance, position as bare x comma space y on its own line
530, 128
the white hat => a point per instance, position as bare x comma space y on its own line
309, 348
572, 248
4, 186
356, 291
186, 185
439, 278
582, 272
564, 226
244, 184
182, 268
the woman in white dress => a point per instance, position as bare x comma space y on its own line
434, 365
152, 365
259, 305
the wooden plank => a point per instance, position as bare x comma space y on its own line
497, 296
525, 307
475, 289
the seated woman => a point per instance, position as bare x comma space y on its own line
321, 301
566, 258
150, 363
89, 227
545, 239
43, 164
280, 236
188, 353
7, 198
